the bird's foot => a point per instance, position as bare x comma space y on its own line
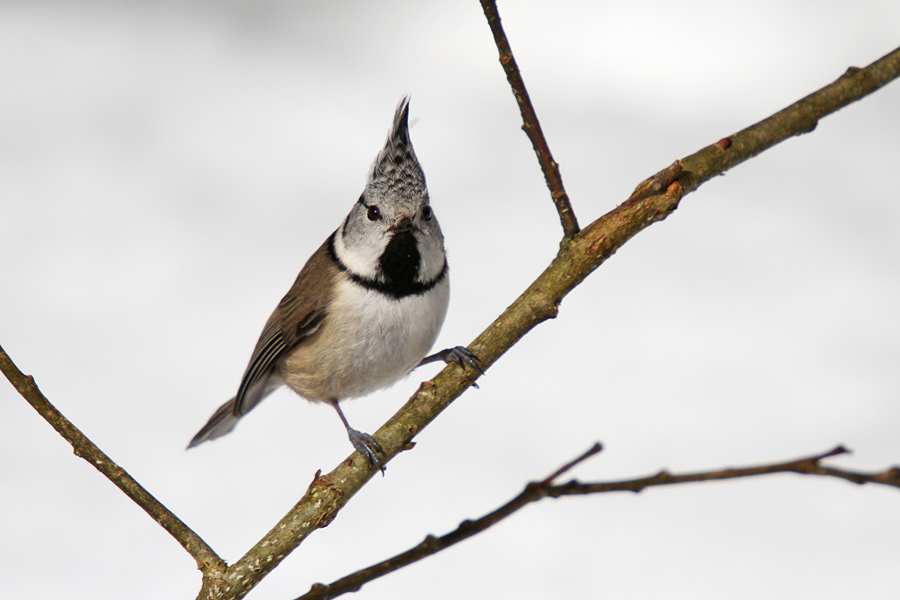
458, 355
366, 445
461, 356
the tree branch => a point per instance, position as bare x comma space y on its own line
799, 118
432, 545
539, 490
530, 123
206, 558
803, 466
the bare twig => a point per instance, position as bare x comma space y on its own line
810, 465
530, 123
539, 490
595, 449
206, 558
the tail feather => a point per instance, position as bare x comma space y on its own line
222, 422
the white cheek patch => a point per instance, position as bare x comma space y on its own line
431, 251
360, 260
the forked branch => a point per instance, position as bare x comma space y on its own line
539, 490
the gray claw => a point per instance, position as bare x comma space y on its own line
366, 445
458, 355
461, 356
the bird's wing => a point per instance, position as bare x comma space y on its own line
299, 314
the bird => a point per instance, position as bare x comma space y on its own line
367, 306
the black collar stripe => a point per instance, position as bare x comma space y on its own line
393, 288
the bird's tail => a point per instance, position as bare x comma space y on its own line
222, 422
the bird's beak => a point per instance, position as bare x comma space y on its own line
402, 224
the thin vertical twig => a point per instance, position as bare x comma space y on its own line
530, 123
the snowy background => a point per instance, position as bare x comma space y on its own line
167, 167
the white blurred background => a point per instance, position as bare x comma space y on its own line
167, 167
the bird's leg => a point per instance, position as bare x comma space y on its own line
364, 443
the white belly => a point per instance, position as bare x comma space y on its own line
367, 342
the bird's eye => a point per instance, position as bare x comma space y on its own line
373, 213
426, 213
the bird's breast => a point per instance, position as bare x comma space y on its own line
368, 341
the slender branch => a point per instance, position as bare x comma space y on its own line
810, 465
206, 558
530, 123
595, 449
432, 545
536, 491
